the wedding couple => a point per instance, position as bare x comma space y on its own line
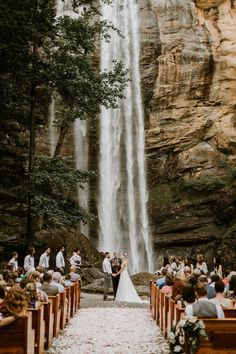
123, 287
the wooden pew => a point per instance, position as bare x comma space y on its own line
63, 306
57, 313
161, 310
230, 312
157, 304
79, 293
170, 318
49, 321
72, 296
18, 337
165, 314
221, 334
153, 299
68, 296
38, 325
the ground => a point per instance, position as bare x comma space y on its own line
107, 327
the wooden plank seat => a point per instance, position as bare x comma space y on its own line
221, 334
73, 302
68, 296
57, 313
38, 324
153, 299
49, 321
63, 307
230, 312
18, 337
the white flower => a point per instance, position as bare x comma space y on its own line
171, 335
177, 348
182, 323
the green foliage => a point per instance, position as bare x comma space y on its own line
53, 181
41, 54
203, 184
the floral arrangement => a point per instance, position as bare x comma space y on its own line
193, 328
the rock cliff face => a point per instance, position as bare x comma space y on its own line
189, 85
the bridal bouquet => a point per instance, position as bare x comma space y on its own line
190, 327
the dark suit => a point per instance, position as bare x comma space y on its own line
115, 267
50, 290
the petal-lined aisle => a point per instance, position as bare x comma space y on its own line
111, 331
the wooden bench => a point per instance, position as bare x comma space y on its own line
38, 324
73, 301
68, 296
57, 313
153, 299
18, 337
221, 334
49, 321
63, 307
230, 312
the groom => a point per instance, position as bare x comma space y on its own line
115, 267
107, 271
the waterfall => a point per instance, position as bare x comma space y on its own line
64, 8
123, 191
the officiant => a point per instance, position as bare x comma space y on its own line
115, 267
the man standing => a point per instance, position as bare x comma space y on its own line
44, 259
29, 259
106, 265
115, 267
60, 261
14, 261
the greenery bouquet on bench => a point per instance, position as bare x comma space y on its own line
190, 328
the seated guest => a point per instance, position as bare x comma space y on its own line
35, 276
15, 305
219, 298
187, 272
201, 265
203, 307
49, 289
172, 267
21, 274
162, 279
210, 289
56, 278
74, 276
167, 288
188, 294
177, 289
180, 266
231, 293
67, 280
31, 292
217, 265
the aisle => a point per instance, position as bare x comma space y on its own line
111, 330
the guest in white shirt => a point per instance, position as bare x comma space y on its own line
201, 265
14, 261
75, 260
29, 259
106, 265
44, 259
204, 307
60, 261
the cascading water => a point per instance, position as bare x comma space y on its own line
64, 8
123, 191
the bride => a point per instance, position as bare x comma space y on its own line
126, 290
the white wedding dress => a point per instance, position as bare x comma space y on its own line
126, 290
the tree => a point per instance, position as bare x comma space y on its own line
41, 54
